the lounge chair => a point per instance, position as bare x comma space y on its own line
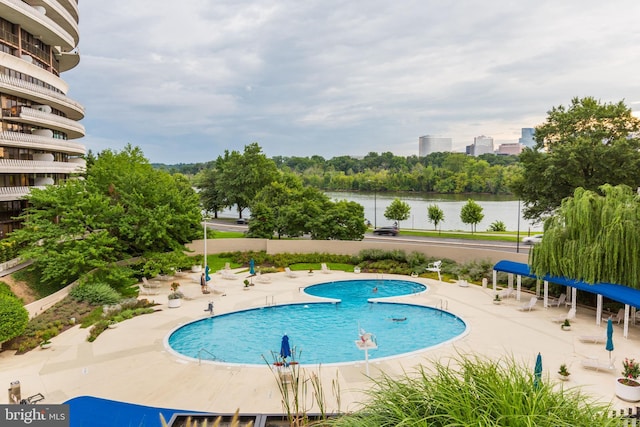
507, 293
557, 302
528, 306
569, 316
599, 365
289, 273
618, 317
153, 284
227, 268
435, 268
227, 274
260, 278
593, 339
147, 291
324, 268
356, 269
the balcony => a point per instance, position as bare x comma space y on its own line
36, 23
34, 166
36, 142
18, 87
8, 194
42, 118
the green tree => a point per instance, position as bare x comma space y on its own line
212, 196
13, 317
586, 144
435, 215
593, 238
471, 213
242, 176
124, 208
397, 210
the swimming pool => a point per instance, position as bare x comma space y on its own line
321, 332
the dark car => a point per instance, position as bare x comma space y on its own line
243, 221
389, 231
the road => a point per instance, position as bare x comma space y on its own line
225, 225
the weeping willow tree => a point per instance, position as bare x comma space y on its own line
593, 238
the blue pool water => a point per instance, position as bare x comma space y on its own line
321, 332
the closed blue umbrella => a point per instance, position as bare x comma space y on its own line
206, 273
252, 264
285, 350
609, 346
537, 372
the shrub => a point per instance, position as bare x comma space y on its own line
119, 278
95, 293
497, 226
13, 317
473, 391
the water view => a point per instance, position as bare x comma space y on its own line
495, 208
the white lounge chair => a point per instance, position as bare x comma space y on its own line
618, 317
593, 339
150, 284
569, 316
356, 269
227, 274
260, 278
528, 306
324, 268
507, 293
147, 291
557, 302
599, 365
227, 268
435, 268
289, 273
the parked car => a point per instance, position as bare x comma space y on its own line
532, 240
243, 221
389, 231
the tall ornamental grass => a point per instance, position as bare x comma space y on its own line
472, 391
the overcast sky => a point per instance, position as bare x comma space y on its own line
187, 79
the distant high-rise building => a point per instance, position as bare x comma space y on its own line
38, 41
527, 137
482, 145
434, 144
510, 149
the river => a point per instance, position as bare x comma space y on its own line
494, 208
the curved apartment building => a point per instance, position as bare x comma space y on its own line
40, 129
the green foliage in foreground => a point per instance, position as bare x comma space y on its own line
472, 391
13, 317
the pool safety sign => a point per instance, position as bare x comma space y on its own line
34, 415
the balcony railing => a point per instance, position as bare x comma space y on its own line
55, 30
15, 193
34, 166
17, 139
62, 122
38, 91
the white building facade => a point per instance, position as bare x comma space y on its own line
434, 144
482, 145
40, 129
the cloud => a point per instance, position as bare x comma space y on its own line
185, 78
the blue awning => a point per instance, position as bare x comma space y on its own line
620, 293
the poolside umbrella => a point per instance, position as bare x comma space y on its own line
206, 274
609, 345
537, 372
252, 265
285, 350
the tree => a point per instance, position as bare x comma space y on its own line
242, 176
212, 196
435, 215
13, 317
471, 213
585, 145
124, 208
593, 238
397, 210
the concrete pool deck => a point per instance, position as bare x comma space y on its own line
131, 364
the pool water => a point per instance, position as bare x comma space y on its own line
321, 332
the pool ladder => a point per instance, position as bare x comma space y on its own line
206, 351
268, 303
443, 304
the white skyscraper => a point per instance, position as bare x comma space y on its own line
482, 145
434, 144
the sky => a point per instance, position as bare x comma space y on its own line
186, 80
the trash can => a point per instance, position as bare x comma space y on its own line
14, 392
